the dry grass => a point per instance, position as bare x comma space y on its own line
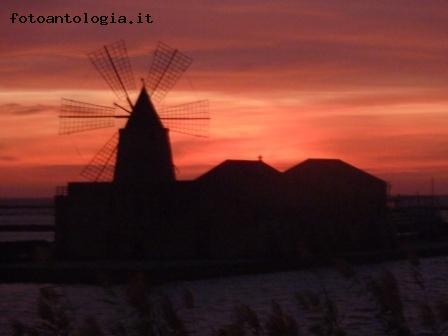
150, 314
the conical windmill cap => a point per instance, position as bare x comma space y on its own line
144, 114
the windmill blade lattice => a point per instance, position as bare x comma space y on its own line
112, 62
76, 116
191, 118
101, 167
167, 67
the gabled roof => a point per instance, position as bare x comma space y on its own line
144, 114
240, 171
335, 168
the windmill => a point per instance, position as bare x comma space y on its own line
141, 150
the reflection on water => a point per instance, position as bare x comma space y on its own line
215, 299
37, 213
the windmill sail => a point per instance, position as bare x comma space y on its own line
190, 118
167, 67
112, 62
76, 116
101, 167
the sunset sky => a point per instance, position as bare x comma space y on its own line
363, 81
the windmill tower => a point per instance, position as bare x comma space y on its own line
144, 152
140, 153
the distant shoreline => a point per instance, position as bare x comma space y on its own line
27, 201
163, 271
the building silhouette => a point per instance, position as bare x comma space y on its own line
238, 209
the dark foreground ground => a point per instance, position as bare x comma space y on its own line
40, 268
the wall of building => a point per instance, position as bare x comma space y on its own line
250, 218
